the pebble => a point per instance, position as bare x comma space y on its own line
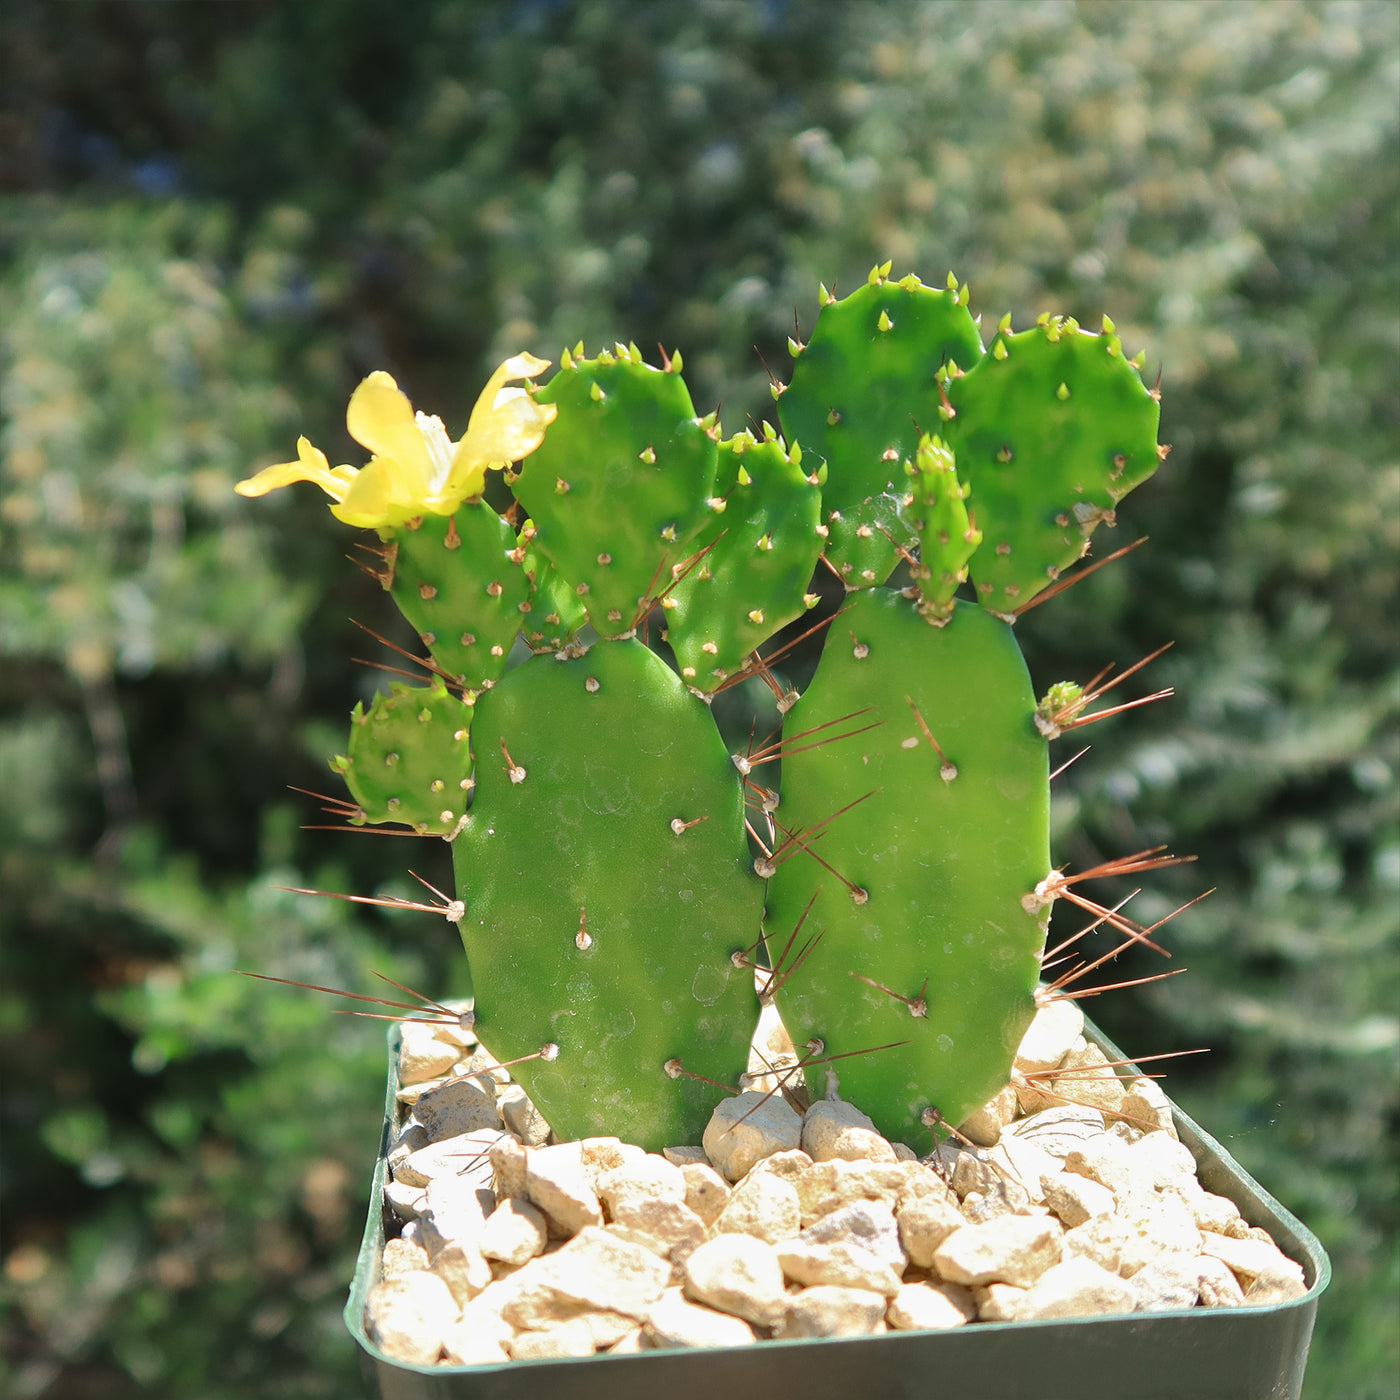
1254, 1262
789, 1165
1147, 1105
1105, 1159
1076, 1198
465, 1156
924, 1224
453, 1210
676, 1322
456, 1107
573, 1337
870, 1224
557, 1182
402, 1255
706, 1191
984, 1127
827, 1186
926, 1306
515, 1232
521, 1117
1050, 1036
1171, 1281
1010, 1249
594, 1270
828, 1310
1160, 1161
422, 1056
1058, 1130
649, 1176
409, 1315
404, 1201
746, 1129
1217, 1284
1077, 1287
479, 1339
841, 1264
686, 1156
739, 1275
796, 1225
669, 1222
832, 1129
998, 1302
1085, 1079
464, 1269
763, 1205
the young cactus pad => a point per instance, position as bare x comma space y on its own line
408, 758
458, 581
917, 892
606, 884
623, 481
1050, 430
753, 578
863, 389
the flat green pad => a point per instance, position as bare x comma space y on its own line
455, 580
1053, 427
862, 391
619, 486
408, 759
943, 863
754, 579
609, 750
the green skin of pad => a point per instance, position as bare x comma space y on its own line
620, 485
584, 841
943, 864
863, 390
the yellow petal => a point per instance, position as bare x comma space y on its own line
311, 465
512, 429
506, 424
380, 417
522, 366
374, 501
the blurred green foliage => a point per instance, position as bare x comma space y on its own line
219, 216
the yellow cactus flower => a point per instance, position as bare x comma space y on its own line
416, 468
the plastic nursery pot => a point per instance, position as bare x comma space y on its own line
1205, 1353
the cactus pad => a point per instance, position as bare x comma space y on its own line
947, 538
621, 483
1051, 429
862, 391
927, 941
754, 578
409, 760
459, 583
605, 880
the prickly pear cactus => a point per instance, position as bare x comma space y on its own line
610, 902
